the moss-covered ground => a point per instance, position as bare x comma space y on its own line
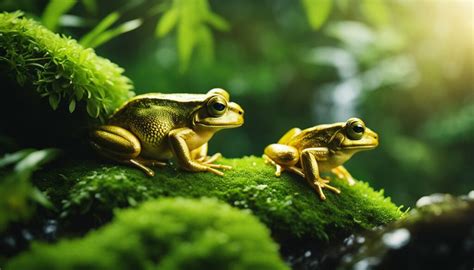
56, 89
173, 233
86, 193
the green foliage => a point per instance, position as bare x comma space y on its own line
317, 11
88, 191
164, 234
60, 69
54, 10
16, 191
375, 11
102, 34
191, 18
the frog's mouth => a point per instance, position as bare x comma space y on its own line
212, 124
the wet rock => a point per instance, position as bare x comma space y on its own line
438, 234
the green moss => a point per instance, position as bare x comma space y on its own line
164, 234
59, 69
87, 191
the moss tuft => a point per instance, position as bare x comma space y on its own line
88, 191
164, 234
60, 69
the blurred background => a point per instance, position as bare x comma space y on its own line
404, 67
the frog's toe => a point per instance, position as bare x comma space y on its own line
321, 184
278, 170
336, 190
214, 171
218, 166
138, 164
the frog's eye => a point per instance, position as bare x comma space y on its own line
355, 129
217, 106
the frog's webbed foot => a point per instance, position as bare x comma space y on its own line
199, 155
320, 184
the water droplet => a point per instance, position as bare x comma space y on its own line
307, 254
366, 264
433, 198
470, 195
397, 238
360, 239
50, 228
26, 235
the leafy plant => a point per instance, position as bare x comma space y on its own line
16, 191
192, 19
60, 69
53, 12
318, 11
101, 33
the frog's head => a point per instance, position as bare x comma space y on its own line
217, 112
354, 136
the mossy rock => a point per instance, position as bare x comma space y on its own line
87, 192
173, 233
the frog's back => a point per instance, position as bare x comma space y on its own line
317, 136
152, 116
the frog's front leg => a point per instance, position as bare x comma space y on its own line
200, 154
121, 145
309, 162
283, 157
342, 173
179, 139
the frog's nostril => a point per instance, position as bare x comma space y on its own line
241, 112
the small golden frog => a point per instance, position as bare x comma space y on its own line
150, 129
323, 148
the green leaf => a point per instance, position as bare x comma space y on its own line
54, 10
72, 105
14, 157
193, 18
54, 100
167, 22
34, 160
218, 22
317, 11
110, 34
206, 44
39, 197
375, 11
92, 109
186, 44
103, 25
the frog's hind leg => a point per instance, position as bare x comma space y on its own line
121, 145
283, 157
289, 135
342, 173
